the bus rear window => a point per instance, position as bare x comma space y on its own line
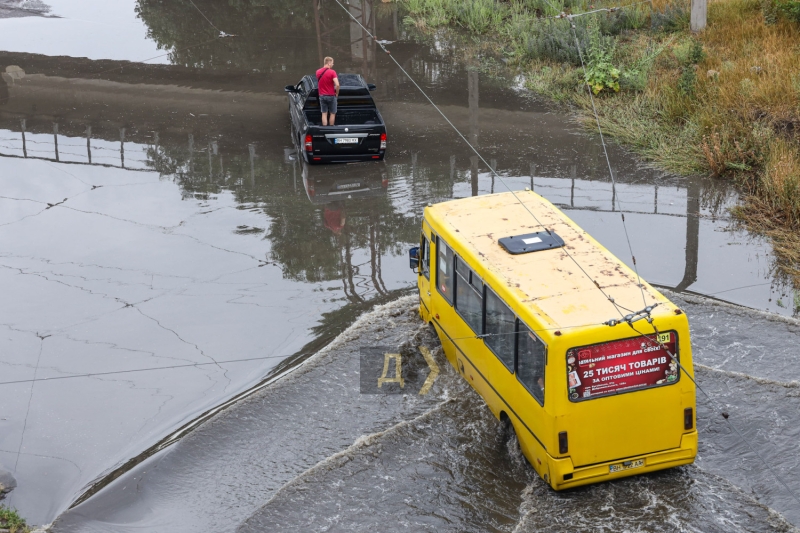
621, 366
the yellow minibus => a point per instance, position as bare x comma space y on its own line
560, 338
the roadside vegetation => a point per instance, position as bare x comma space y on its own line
724, 102
11, 521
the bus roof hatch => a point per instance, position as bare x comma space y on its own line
531, 242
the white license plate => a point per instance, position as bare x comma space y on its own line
627, 465
348, 186
346, 140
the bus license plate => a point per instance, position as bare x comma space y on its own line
346, 140
626, 466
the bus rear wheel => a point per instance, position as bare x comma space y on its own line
507, 431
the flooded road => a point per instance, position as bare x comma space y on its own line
155, 215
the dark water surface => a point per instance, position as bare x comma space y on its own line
155, 214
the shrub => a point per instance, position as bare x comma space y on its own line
674, 18
769, 9
789, 9
689, 54
632, 18
601, 73
10, 519
553, 41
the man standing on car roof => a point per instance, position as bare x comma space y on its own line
328, 83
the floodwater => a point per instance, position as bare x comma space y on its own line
154, 213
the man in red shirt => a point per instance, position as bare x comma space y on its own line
328, 83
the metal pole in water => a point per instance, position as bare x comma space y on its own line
655, 200
89, 143
533, 173
122, 147
572, 189
252, 148
55, 138
692, 235
24, 144
191, 154
210, 172
493, 162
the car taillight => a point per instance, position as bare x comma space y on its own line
688, 418
309, 144
383, 141
563, 444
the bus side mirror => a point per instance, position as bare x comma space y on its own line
413, 258
371, 86
290, 89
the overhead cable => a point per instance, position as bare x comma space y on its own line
477, 153
715, 406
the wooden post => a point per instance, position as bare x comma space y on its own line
697, 20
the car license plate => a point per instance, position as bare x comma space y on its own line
346, 140
627, 465
348, 186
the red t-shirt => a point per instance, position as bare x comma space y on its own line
326, 87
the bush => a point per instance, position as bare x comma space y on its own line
688, 54
10, 519
601, 74
789, 9
553, 41
769, 10
632, 18
674, 18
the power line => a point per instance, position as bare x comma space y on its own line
493, 171
714, 405
605, 152
649, 318
221, 33
115, 372
611, 173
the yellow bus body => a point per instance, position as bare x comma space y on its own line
607, 437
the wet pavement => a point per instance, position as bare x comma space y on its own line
441, 462
155, 214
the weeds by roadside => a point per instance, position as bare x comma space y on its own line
725, 102
10, 520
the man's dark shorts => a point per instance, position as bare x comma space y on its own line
327, 104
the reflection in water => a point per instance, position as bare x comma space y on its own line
213, 128
692, 235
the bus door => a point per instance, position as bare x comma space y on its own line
424, 277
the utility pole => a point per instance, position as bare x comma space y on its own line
697, 20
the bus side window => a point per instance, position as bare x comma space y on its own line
444, 267
500, 328
424, 254
469, 296
530, 362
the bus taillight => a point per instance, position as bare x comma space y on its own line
563, 444
688, 418
383, 141
309, 144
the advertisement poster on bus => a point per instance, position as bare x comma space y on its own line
621, 366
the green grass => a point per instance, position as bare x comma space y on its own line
10, 519
724, 103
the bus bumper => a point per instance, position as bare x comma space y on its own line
564, 476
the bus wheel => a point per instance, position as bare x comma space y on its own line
507, 431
